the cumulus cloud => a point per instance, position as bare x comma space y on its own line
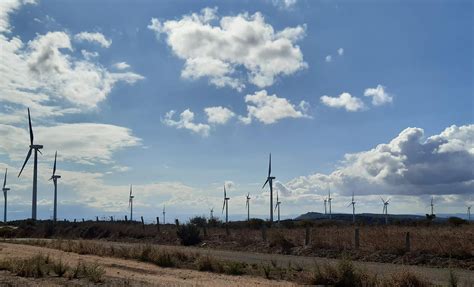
379, 96
7, 7
186, 121
86, 143
235, 45
218, 115
121, 65
284, 4
269, 108
408, 165
328, 58
344, 100
96, 37
340, 51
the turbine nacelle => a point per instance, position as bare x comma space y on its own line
36, 146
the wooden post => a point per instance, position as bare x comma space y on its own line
126, 218
158, 223
176, 221
111, 218
83, 220
143, 222
97, 218
264, 232
307, 238
204, 229
74, 220
356, 238
227, 231
407, 242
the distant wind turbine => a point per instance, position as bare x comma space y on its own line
432, 206
247, 204
329, 201
55, 177
226, 206
164, 214
277, 205
325, 206
130, 203
5, 190
469, 212
212, 213
36, 148
270, 181
353, 208
385, 208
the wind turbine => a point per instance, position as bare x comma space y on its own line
353, 208
130, 203
164, 214
226, 206
5, 190
212, 213
325, 206
55, 177
468, 212
329, 201
385, 208
247, 204
270, 181
432, 206
277, 205
36, 148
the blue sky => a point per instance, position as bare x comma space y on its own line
369, 97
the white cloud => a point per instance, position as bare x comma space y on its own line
218, 115
7, 7
407, 165
328, 58
186, 121
379, 96
89, 55
269, 108
242, 43
340, 51
344, 100
93, 37
121, 65
284, 4
86, 143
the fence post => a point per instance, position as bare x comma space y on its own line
143, 222
264, 232
176, 221
307, 238
126, 218
83, 220
158, 223
74, 220
111, 218
356, 238
407, 242
97, 218
204, 229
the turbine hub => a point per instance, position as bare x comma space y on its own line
36, 146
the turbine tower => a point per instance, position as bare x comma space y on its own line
164, 214
130, 203
270, 181
226, 205
432, 206
247, 204
5, 190
277, 205
55, 177
468, 211
36, 148
329, 201
353, 208
385, 208
325, 206
212, 213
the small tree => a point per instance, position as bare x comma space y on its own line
199, 221
189, 234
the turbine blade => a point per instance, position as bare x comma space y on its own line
54, 166
40, 152
349, 204
31, 129
5, 179
225, 192
265, 183
270, 165
26, 160
382, 199
223, 205
276, 205
130, 190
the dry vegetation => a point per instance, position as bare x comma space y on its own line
441, 245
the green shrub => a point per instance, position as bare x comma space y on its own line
188, 234
205, 264
198, 221
235, 268
456, 221
163, 259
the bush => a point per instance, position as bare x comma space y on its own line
456, 221
279, 241
256, 223
60, 268
235, 268
205, 264
189, 234
408, 279
163, 259
214, 222
198, 221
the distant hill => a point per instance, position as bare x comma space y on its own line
364, 217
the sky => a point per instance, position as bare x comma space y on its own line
179, 98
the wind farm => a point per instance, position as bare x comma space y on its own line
120, 141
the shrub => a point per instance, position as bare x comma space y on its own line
256, 223
205, 264
188, 234
198, 221
408, 279
235, 268
163, 259
93, 272
281, 242
456, 221
60, 268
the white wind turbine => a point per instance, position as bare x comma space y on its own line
212, 212
353, 208
325, 206
5, 191
226, 206
329, 202
277, 205
55, 178
247, 204
164, 214
130, 203
469, 212
385, 208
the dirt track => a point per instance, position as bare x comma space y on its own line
134, 272
178, 277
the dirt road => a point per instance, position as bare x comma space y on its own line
134, 273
